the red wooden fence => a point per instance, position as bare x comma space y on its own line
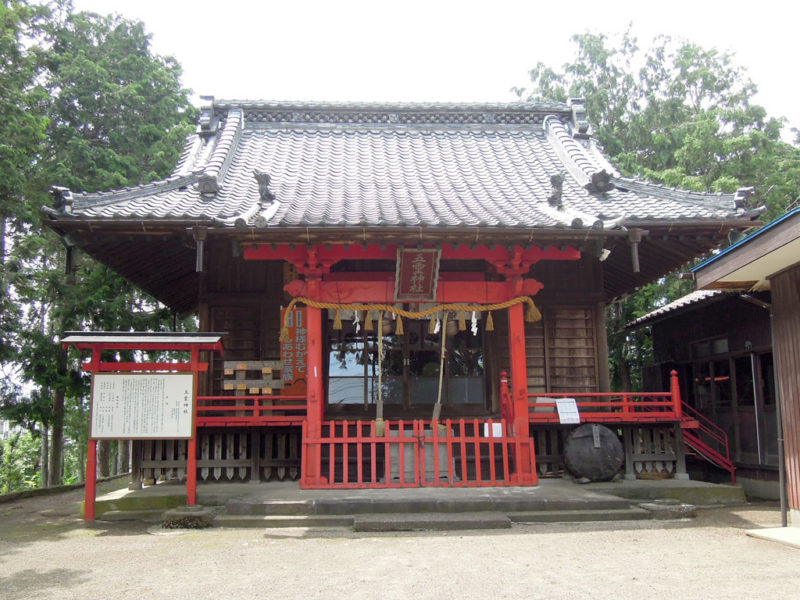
451, 453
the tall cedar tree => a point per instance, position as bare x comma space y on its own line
116, 115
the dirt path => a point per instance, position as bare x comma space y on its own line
47, 552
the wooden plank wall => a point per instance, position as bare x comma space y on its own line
243, 299
560, 350
786, 330
570, 348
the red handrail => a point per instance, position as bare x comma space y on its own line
250, 410
611, 407
708, 427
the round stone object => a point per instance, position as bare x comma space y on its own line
594, 452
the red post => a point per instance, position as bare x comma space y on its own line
675, 391
191, 470
506, 406
91, 481
316, 405
519, 388
191, 446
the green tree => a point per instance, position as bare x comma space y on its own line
677, 114
114, 115
19, 462
24, 122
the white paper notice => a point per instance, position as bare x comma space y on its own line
146, 405
568, 411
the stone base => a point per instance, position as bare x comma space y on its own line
187, 517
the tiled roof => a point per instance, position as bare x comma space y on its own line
398, 165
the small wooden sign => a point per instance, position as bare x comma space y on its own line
142, 406
417, 275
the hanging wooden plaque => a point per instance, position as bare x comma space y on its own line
417, 275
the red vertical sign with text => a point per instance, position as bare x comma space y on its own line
293, 353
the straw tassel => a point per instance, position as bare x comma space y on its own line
399, 329
489, 322
462, 321
367, 322
432, 325
337, 322
532, 314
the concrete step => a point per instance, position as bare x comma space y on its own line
352, 506
580, 516
427, 521
264, 521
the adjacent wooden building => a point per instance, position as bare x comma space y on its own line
424, 280
769, 259
720, 343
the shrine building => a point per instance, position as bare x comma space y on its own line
405, 293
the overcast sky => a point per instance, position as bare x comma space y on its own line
460, 51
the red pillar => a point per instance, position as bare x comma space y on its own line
675, 391
191, 470
191, 447
519, 385
91, 481
316, 400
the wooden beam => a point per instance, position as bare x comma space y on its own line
360, 292
323, 256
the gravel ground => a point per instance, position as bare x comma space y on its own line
47, 552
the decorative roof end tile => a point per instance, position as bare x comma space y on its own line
207, 122
600, 183
581, 125
557, 181
741, 199
62, 198
262, 177
207, 185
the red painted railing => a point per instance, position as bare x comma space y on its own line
250, 411
597, 407
708, 440
612, 407
452, 453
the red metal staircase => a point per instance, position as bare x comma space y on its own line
706, 439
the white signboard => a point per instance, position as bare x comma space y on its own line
568, 411
142, 406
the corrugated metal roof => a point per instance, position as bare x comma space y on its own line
692, 299
449, 165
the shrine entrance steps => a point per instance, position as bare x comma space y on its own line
283, 504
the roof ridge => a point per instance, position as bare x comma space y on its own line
560, 107
95, 199
718, 199
571, 154
221, 157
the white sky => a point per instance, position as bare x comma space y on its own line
460, 51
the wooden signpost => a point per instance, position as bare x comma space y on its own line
142, 400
